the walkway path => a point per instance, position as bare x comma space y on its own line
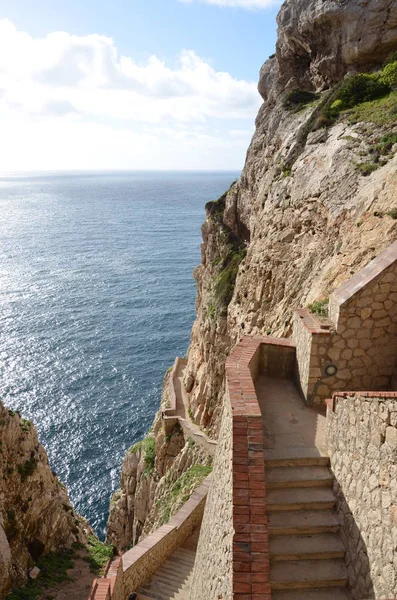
172, 581
306, 553
182, 410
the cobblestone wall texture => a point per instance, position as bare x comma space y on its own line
212, 577
362, 444
147, 556
363, 344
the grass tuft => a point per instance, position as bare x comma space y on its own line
320, 307
98, 555
53, 570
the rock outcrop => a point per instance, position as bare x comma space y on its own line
303, 210
36, 516
310, 207
157, 477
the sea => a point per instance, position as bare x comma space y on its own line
97, 298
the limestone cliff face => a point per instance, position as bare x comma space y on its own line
36, 516
302, 209
152, 486
302, 217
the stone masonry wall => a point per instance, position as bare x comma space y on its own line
147, 556
212, 576
363, 343
362, 445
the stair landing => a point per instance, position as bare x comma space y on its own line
287, 422
306, 552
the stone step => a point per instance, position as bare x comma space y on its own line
184, 556
174, 570
163, 596
333, 593
172, 578
302, 522
300, 499
164, 592
168, 584
309, 547
302, 574
295, 457
291, 477
180, 563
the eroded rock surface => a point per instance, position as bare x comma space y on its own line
36, 515
302, 217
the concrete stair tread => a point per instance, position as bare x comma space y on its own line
157, 584
302, 522
174, 572
162, 594
187, 555
162, 579
295, 457
308, 573
282, 499
333, 593
296, 547
283, 477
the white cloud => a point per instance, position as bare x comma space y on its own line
250, 4
65, 83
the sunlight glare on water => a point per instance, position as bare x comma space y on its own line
96, 300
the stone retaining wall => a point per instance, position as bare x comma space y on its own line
362, 445
125, 574
359, 342
171, 416
233, 553
145, 558
212, 576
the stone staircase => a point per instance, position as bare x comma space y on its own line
306, 552
172, 581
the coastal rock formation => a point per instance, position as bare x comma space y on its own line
304, 213
36, 516
157, 476
315, 202
320, 41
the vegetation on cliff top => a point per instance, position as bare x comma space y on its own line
98, 554
181, 491
366, 96
148, 446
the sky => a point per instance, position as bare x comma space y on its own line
130, 84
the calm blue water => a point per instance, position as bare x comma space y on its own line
96, 300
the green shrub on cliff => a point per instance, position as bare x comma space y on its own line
98, 555
150, 455
297, 99
320, 307
148, 446
181, 491
225, 280
53, 570
362, 87
27, 468
364, 96
389, 74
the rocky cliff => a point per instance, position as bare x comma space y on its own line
36, 516
316, 199
157, 477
